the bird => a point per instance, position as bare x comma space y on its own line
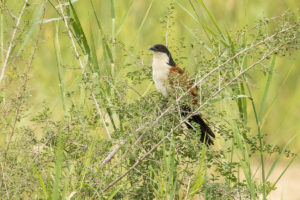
167, 75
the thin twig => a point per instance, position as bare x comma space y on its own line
258, 24
112, 153
240, 53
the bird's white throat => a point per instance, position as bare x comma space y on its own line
160, 72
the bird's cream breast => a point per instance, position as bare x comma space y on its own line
161, 71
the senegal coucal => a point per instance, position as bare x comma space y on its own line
167, 75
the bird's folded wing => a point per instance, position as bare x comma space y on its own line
177, 77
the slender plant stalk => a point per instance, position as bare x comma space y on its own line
11, 43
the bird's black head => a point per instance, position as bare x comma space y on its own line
160, 48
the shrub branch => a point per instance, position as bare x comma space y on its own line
190, 115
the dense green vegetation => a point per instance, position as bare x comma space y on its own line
80, 117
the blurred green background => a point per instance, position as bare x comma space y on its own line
139, 30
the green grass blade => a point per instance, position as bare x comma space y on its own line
113, 37
280, 86
114, 193
2, 37
171, 170
244, 104
245, 160
110, 115
279, 156
231, 45
94, 53
242, 91
86, 164
113, 18
144, 19
244, 65
212, 18
186, 10
57, 168
59, 67
97, 19
41, 182
259, 134
266, 91
108, 51
283, 172
36, 19
124, 18
78, 30
106, 48
202, 23
198, 182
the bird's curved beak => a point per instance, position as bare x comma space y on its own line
152, 49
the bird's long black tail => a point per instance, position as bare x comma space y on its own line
207, 134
